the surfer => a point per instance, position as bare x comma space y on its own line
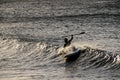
68, 42
69, 51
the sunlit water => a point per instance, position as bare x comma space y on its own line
31, 34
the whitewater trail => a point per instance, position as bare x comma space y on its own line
24, 54
36, 60
17, 54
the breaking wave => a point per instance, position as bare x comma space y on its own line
33, 55
95, 58
18, 54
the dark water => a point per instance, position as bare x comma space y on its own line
31, 32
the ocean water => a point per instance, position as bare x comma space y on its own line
33, 31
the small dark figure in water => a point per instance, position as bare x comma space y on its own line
68, 42
70, 52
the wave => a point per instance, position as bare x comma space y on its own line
29, 19
90, 57
18, 54
22, 54
96, 58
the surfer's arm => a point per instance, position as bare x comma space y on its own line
71, 38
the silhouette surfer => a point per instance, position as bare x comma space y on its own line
68, 42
